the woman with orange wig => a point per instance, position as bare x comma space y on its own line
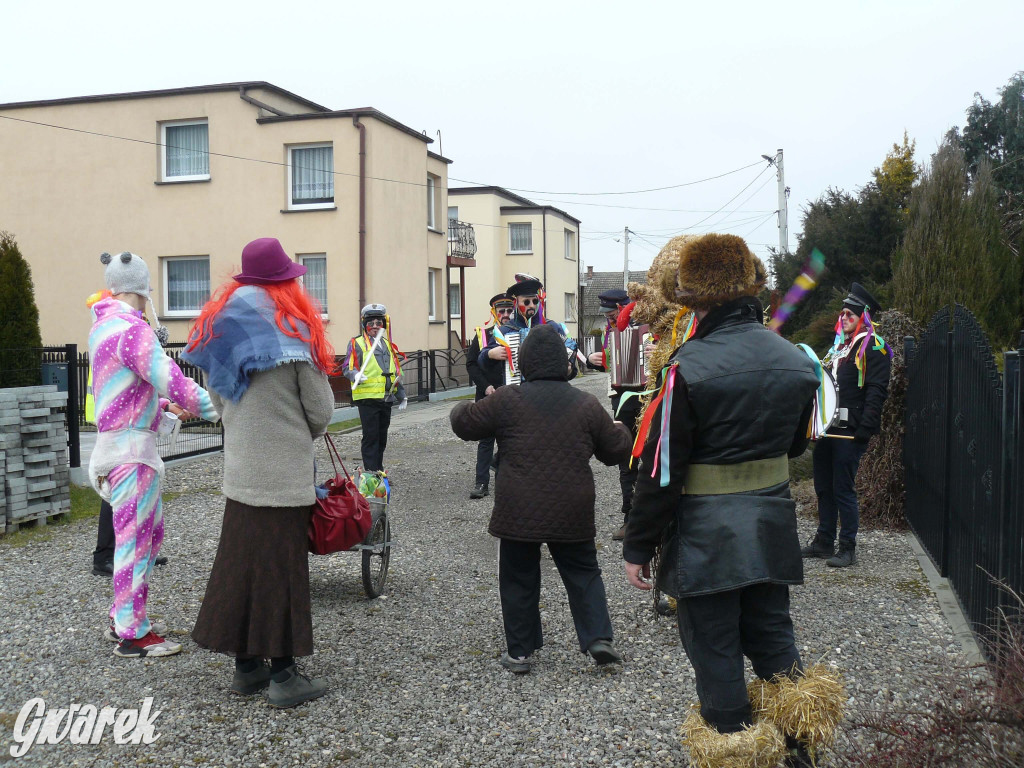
261, 341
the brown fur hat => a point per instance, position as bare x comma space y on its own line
715, 269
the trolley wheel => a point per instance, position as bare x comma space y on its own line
375, 560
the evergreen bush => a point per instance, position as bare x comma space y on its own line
19, 318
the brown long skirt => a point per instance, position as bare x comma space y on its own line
257, 598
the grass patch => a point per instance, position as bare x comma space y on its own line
85, 503
343, 425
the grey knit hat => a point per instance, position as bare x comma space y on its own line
126, 273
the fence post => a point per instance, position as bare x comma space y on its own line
946, 460
433, 374
74, 439
1007, 494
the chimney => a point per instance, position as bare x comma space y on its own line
590, 271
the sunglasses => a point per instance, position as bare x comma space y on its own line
528, 302
847, 313
505, 310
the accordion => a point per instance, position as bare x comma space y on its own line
513, 375
627, 365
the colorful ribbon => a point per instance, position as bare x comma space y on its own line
805, 281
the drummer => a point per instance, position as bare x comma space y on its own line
860, 361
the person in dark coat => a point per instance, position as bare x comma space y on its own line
861, 363
503, 307
736, 400
547, 431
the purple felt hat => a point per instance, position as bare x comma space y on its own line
264, 261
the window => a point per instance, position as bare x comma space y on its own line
570, 245
570, 307
433, 278
186, 151
311, 176
454, 300
315, 279
453, 213
520, 237
186, 285
432, 200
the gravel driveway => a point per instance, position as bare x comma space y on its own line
414, 675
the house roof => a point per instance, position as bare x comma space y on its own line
361, 112
316, 110
599, 282
521, 203
168, 92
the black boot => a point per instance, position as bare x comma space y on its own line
479, 491
846, 556
820, 547
797, 755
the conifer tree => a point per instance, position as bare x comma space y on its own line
19, 318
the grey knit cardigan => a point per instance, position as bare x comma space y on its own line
269, 433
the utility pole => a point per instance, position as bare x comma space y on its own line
783, 211
783, 205
625, 261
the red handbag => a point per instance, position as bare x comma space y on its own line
341, 519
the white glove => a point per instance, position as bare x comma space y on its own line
402, 405
359, 379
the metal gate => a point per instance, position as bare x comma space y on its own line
962, 457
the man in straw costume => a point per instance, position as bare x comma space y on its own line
733, 405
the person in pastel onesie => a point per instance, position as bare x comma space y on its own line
134, 382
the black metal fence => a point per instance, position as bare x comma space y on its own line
964, 461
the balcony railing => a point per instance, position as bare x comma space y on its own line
461, 240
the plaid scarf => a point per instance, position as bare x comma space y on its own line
246, 340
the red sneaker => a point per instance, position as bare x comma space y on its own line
150, 645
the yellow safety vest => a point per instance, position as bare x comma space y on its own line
374, 386
90, 401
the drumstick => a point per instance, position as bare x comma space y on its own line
840, 437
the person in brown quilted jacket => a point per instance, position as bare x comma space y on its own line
547, 431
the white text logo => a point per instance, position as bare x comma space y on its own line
82, 724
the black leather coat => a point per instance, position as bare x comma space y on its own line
742, 394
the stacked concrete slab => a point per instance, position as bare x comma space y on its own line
33, 444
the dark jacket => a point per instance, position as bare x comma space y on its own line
492, 376
863, 403
523, 328
742, 394
547, 431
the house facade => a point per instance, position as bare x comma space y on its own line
514, 234
592, 285
186, 177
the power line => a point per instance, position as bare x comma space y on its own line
631, 192
374, 178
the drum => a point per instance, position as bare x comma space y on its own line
826, 405
826, 399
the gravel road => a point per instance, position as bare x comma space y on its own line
414, 675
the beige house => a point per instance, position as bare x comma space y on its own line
513, 235
186, 177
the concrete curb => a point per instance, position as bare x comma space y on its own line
948, 603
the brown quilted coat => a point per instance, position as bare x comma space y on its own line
547, 431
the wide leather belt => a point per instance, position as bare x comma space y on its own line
715, 479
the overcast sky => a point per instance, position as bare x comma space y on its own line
550, 98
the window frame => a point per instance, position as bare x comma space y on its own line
301, 258
166, 284
290, 162
570, 307
458, 295
431, 201
570, 245
432, 276
163, 151
529, 225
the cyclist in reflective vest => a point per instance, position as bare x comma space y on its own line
376, 381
